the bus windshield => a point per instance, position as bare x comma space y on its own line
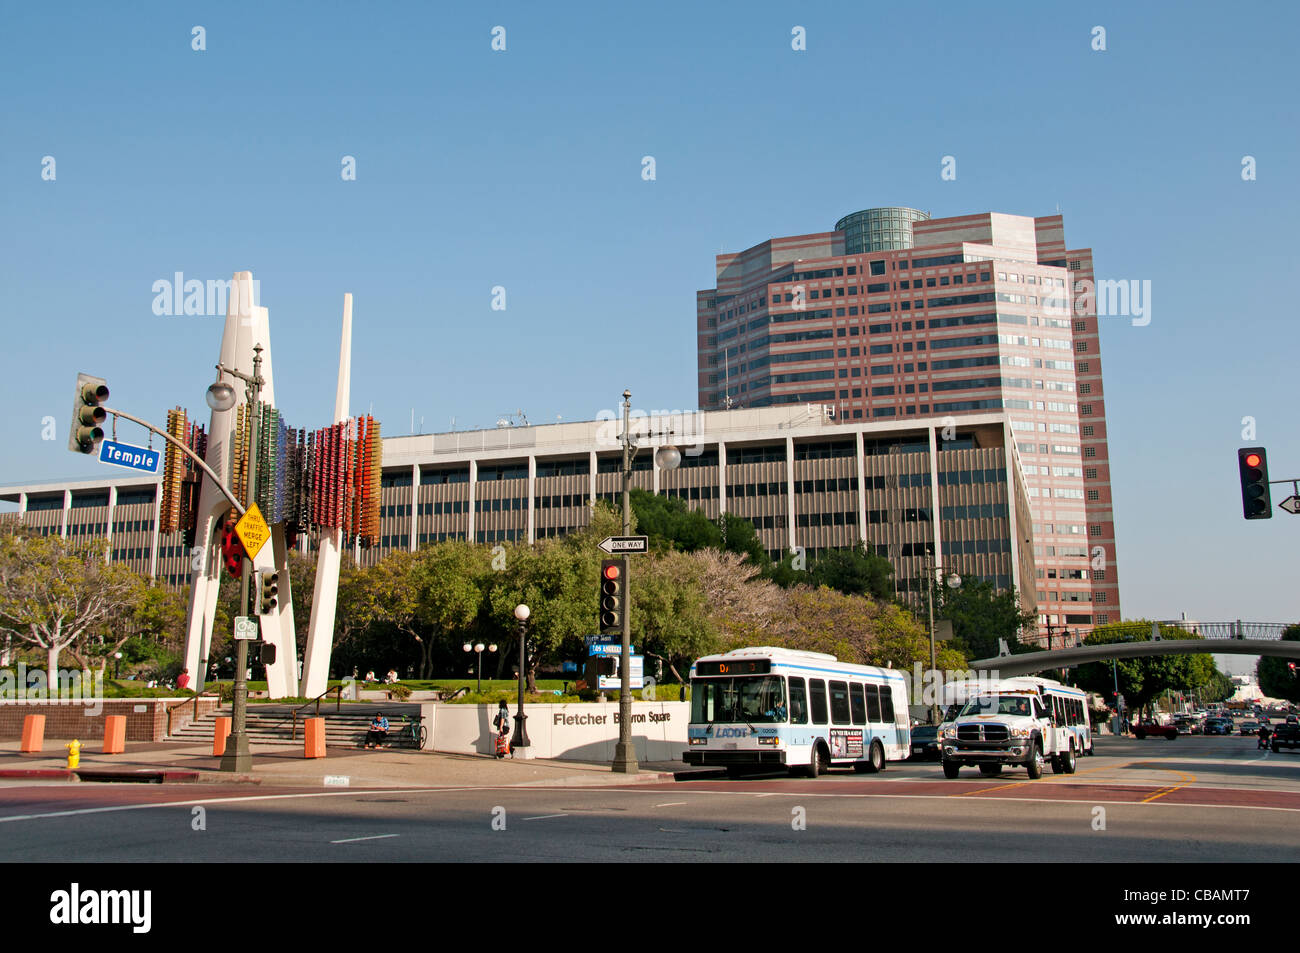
997, 705
747, 700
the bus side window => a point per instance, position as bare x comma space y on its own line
859, 703
873, 703
798, 702
840, 703
886, 705
817, 696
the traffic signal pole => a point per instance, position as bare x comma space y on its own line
625, 751
238, 758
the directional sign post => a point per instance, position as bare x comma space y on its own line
1291, 504
125, 455
624, 545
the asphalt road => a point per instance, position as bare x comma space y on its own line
1193, 799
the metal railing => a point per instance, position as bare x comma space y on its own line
189, 701
336, 691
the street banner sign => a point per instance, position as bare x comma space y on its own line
622, 545
252, 531
246, 628
1291, 504
125, 455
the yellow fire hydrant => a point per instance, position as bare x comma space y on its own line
74, 753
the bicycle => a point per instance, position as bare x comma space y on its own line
416, 732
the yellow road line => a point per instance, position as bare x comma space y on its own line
1055, 777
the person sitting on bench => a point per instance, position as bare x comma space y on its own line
378, 732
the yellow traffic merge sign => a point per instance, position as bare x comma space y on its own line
252, 531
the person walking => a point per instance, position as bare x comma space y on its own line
502, 724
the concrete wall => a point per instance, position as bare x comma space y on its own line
581, 732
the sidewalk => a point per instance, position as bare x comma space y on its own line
280, 765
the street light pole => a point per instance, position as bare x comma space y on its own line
520, 740
238, 758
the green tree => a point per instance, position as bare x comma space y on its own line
1276, 678
854, 572
981, 615
670, 610
671, 524
54, 593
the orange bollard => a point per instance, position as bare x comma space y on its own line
220, 732
114, 734
33, 734
314, 745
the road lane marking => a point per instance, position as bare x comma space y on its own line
1187, 779
673, 804
353, 840
542, 817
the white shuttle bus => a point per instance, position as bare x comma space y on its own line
777, 708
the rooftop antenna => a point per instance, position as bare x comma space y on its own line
412, 420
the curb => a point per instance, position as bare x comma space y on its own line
52, 774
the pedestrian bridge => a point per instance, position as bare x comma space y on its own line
1008, 666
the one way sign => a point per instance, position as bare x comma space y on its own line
620, 545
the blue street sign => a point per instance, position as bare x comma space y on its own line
125, 455
593, 650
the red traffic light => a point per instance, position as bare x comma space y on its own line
1252, 459
610, 572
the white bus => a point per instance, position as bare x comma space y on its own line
766, 707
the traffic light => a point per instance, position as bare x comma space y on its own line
268, 587
232, 551
613, 596
87, 414
266, 653
1255, 501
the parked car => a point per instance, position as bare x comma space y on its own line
1155, 730
925, 743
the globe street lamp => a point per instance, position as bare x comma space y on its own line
478, 647
520, 739
117, 665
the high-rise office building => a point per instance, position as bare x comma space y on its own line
895, 315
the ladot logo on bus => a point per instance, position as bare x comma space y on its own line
724, 732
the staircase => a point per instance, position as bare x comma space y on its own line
273, 725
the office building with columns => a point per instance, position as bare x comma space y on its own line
807, 482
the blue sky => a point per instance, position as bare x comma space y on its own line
522, 169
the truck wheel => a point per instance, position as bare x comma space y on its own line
1276, 749
1171, 736
951, 770
1058, 766
1034, 766
990, 770
1139, 735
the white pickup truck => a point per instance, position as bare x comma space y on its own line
1021, 722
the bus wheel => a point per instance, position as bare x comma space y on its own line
990, 770
951, 770
876, 764
1034, 766
817, 765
